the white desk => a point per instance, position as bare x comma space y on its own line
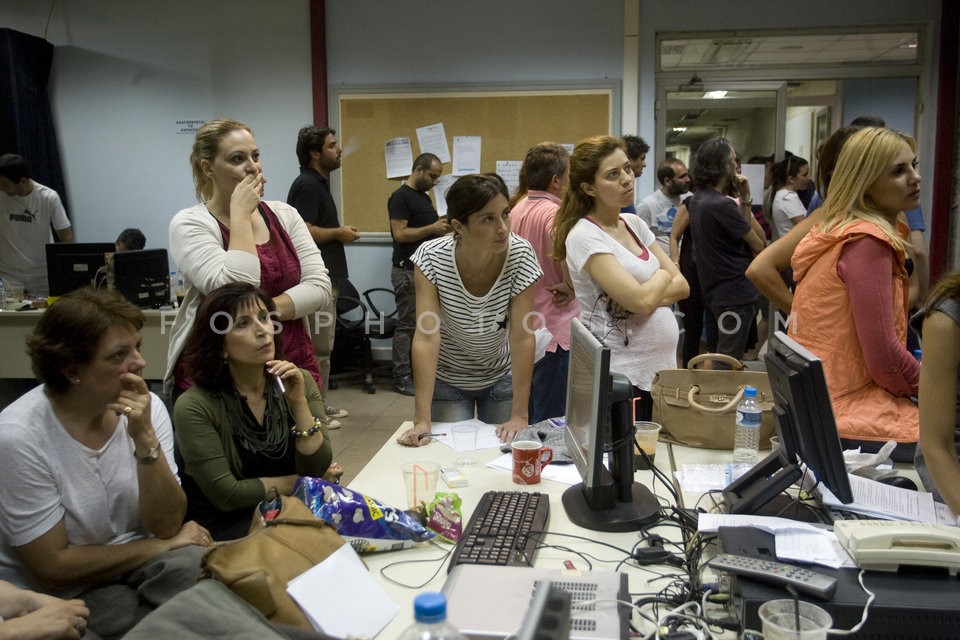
15, 326
381, 479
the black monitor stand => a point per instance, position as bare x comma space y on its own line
621, 504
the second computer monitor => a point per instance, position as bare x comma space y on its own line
143, 277
77, 264
600, 421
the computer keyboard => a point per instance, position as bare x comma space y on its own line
504, 529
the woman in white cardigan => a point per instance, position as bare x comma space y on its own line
234, 236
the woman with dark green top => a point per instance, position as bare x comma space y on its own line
252, 421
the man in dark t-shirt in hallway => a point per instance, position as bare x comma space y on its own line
413, 221
319, 154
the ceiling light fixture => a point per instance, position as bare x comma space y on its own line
714, 95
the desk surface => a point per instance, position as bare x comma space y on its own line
381, 479
15, 326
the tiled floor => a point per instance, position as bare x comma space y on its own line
373, 418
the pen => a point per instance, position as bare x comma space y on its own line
280, 384
569, 565
427, 435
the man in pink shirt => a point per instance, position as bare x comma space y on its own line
547, 169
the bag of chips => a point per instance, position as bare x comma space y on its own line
367, 524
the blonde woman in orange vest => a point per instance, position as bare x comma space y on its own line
850, 304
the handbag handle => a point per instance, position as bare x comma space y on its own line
297, 521
695, 389
720, 357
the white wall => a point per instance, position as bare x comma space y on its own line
125, 72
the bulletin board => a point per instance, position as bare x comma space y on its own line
508, 120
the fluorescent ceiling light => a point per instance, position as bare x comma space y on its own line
714, 95
679, 129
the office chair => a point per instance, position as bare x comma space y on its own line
360, 320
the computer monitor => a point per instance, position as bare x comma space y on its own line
808, 432
143, 277
600, 418
74, 265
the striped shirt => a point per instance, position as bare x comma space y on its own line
474, 345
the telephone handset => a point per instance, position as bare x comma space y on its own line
885, 545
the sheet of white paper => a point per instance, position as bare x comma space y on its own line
711, 522
816, 547
884, 501
568, 146
945, 516
398, 154
509, 170
562, 473
486, 433
433, 139
754, 175
440, 192
466, 155
357, 607
700, 478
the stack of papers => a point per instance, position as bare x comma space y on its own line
885, 502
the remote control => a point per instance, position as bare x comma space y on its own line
778, 573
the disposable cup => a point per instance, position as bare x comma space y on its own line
465, 443
420, 480
779, 620
774, 443
647, 435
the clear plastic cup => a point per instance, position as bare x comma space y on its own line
780, 618
465, 443
420, 480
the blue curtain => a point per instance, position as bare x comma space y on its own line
26, 120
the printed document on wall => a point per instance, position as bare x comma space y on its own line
398, 154
466, 155
509, 170
440, 192
433, 139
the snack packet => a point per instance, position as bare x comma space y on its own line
444, 517
367, 524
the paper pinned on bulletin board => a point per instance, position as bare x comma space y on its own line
466, 155
440, 192
433, 139
509, 170
398, 154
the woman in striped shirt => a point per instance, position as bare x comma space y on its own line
473, 346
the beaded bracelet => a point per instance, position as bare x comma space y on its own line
315, 429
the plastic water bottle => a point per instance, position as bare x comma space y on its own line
430, 612
746, 438
3, 294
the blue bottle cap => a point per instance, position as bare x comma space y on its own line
917, 353
430, 607
749, 392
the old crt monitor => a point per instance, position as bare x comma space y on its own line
808, 432
600, 417
143, 277
71, 266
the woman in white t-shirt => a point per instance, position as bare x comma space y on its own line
790, 175
473, 346
624, 281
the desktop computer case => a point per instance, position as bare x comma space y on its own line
915, 604
487, 602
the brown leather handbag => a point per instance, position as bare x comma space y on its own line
697, 407
258, 567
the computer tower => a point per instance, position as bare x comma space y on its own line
915, 603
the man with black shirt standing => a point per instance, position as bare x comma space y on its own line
413, 220
319, 154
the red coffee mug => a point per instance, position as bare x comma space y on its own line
529, 459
